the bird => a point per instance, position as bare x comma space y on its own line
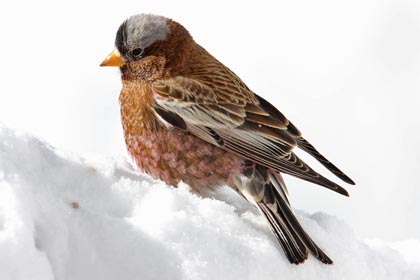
187, 117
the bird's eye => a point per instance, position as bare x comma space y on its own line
137, 52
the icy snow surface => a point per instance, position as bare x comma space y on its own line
63, 217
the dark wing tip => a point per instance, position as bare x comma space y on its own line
295, 134
321, 180
333, 186
340, 174
307, 147
349, 181
343, 191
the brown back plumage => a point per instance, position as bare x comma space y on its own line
188, 117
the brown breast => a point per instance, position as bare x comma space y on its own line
171, 155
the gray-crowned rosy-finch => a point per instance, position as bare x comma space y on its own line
187, 117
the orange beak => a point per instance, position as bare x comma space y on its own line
113, 59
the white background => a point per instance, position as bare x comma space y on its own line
346, 73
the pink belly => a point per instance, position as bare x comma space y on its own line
175, 156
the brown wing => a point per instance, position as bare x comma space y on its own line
235, 119
304, 144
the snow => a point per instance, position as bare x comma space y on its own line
66, 217
346, 73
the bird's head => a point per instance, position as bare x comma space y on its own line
147, 45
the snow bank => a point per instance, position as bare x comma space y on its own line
63, 217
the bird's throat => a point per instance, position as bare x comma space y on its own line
137, 115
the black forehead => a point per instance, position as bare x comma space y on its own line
121, 39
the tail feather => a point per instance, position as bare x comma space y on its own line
277, 180
291, 218
269, 194
295, 250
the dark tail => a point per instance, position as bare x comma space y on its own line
267, 192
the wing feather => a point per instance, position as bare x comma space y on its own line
235, 119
